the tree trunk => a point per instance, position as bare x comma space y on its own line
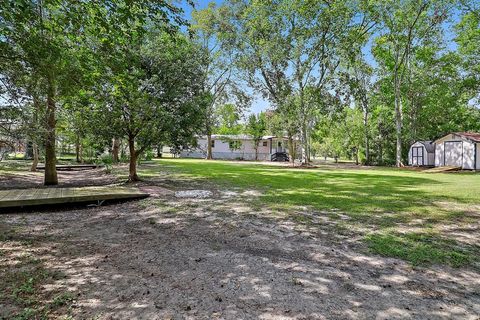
209, 146
291, 150
132, 176
159, 151
304, 144
77, 148
115, 150
50, 177
35, 157
367, 138
80, 152
398, 126
398, 114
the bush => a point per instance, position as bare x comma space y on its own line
107, 161
148, 155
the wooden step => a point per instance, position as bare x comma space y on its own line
47, 196
443, 169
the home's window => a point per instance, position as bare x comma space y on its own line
265, 143
213, 143
279, 143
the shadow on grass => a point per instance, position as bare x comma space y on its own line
395, 211
354, 192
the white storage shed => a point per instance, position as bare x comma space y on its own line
458, 149
422, 153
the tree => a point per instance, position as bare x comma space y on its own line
468, 41
151, 97
40, 41
357, 79
219, 86
285, 47
256, 127
228, 119
405, 25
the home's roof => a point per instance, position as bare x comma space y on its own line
239, 137
472, 136
429, 145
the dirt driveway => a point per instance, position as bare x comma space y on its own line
215, 258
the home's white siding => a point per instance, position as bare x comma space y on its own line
221, 150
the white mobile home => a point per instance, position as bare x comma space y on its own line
422, 153
459, 149
238, 147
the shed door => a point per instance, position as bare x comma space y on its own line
417, 156
453, 153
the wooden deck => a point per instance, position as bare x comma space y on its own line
48, 196
69, 167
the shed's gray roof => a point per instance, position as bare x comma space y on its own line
429, 145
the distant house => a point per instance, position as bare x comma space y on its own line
238, 147
458, 149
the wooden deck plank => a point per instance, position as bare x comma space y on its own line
46, 196
73, 166
5, 193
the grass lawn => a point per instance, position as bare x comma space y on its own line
420, 217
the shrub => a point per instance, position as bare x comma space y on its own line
149, 155
107, 161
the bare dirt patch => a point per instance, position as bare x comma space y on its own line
163, 258
218, 257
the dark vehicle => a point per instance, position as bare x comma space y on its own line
280, 157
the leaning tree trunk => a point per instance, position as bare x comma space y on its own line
115, 150
209, 146
35, 157
50, 157
132, 173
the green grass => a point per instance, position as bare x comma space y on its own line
383, 201
419, 248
